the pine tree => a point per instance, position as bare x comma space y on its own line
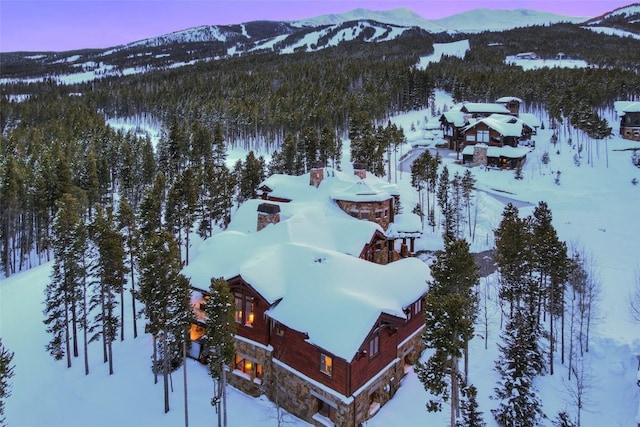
450, 312
6, 373
151, 207
471, 416
552, 265
165, 294
63, 295
520, 362
220, 330
128, 228
251, 175
111, 271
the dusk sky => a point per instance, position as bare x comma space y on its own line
58, 25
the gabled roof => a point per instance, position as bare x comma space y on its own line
317, 293
484, 107
506, 99
307, 223
500, 124
623, 107
360, 192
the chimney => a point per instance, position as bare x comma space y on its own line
359, 170
268, 213
316, 174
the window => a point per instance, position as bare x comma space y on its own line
244, 309
417, 307
374, 402
482, 136
326, 364
196, 332
326, 410
250, 368
374, 345
277, 327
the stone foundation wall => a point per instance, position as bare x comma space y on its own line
480, 155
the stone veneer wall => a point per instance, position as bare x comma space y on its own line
265, 219
351, 207
259, 355
480, 155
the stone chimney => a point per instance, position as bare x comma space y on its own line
316, 174
359, 170
480, 155
268, 213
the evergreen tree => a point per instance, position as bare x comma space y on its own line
128, 228
111, 271
471, 416
552, 264
151, 207
518, 365
164, 293
220, 331
251, 175
63, 295
450, 312
6, 373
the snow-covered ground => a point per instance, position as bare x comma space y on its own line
595, 207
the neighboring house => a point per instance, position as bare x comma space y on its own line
327, 323
527, 55
629, 114
494, 141
461, 115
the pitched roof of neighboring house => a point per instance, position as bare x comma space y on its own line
500, 123
506, 151
508, 99
530, 119
316, 292
456, 117
484, 107
623, 107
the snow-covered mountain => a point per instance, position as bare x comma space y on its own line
623, 22
270, 32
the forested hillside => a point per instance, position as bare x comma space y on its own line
55, 138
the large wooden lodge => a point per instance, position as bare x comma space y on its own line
328, 297
493, 134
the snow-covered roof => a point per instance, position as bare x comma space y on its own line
530, 119
405, 225
361, 192
307, 223
623, 107
484, 107
297, 188
500, 123
506, 151
508, 99
334, 298
454, 116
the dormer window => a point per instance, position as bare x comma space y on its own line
244, 313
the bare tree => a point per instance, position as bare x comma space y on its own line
634, 299
579, 386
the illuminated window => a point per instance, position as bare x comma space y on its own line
374, 345
248, 367
244, 309
326, 364
196, 332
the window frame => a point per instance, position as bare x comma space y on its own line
326, 368
245, 308
374, 345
